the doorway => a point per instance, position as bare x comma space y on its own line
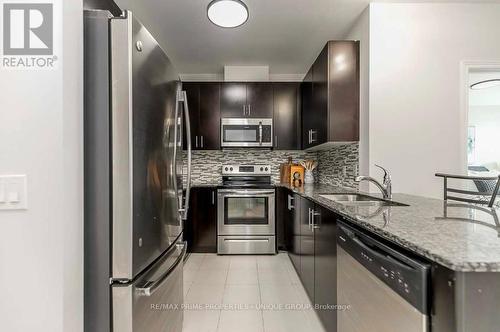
483, 121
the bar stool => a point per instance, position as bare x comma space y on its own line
487, 189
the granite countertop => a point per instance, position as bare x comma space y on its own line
467, 241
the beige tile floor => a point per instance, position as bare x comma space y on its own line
245, 293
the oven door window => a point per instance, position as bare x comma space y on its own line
234, 133
246, 211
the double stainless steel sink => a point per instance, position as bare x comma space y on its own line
359, 200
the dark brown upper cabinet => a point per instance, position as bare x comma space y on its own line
210, 101
246, 100
330, 96
233, 100
209, 125
287, 128
260, 100
204, 113
306, 90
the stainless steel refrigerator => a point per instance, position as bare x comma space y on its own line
135, 202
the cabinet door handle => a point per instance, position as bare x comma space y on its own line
290, 206
309, 140
314, 215
244, 110
196, 143
249, 109
276, 140
213, 197
309, 217
313, 132
201, 138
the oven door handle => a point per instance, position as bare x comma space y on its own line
246, 240
247, 195
230, 192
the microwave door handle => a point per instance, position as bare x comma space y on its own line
260, 133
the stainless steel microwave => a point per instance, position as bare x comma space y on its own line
238, 132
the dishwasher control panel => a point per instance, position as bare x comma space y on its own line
407, 276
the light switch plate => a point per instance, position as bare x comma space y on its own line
13, 192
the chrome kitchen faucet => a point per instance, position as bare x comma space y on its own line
385, 187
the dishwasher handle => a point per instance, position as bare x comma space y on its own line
374, 250
380, 250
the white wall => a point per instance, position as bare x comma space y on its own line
41, 252
416, 50
361, 31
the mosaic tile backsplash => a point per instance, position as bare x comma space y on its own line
338, 166
207, 165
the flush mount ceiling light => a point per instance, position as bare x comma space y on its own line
486, 84
227, 13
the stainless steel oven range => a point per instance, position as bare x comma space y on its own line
246, 213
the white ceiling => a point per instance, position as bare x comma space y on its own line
286, 35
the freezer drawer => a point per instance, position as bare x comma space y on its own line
153, 303
246, 245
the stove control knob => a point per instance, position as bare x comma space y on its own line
267, 169
231, 169
226, 169
262, 169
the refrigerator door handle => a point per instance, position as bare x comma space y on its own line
184, 209
177, 128
149, 287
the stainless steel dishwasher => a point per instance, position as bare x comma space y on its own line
385, 289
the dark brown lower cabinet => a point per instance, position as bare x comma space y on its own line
306, 246
325, 266
281, 217
293, 231
200, 229
284, 218
312, 248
